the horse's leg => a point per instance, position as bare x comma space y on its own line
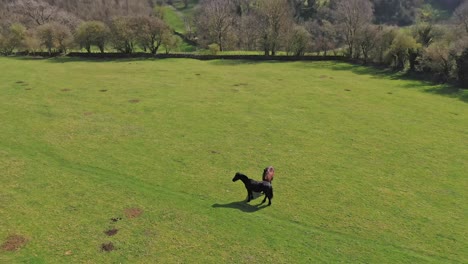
270, 196
249, 195
264, 199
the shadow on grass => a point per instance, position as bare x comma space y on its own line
417, 81
221, 62
242, 206
64, 59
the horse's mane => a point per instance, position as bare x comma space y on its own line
242, 176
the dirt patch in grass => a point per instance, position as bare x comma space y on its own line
111, 232
88, 113
103, 90
323, 76
134, 101
20, 82
14, 242
107, 247
133, 212
241, 84
65, 90
27, 89
215, 152
348, 90
116, 219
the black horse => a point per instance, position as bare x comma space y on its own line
255, 186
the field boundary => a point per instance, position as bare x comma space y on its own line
205, 57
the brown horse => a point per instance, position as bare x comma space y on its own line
268, 174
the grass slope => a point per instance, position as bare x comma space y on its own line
368, 168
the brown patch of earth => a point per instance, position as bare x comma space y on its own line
323, 76
107, 247
134, 101
65, 90
88, 113
14, 242
111, 232
115, 219
133, 212
103, 90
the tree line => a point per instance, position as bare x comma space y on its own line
401, 34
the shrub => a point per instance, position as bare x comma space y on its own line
91, 33
12, 38
438, 60
214, 49
54, 36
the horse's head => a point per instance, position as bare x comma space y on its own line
236, 177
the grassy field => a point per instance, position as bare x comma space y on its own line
370, 168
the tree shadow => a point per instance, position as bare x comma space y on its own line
221, 62
418, 81
66, 59
242, 206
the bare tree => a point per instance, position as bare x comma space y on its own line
367, 40
273, 16
92, 33
461, 15
150, 33
247, 32
215, 22
324, 36
297, 40
384, 39
38, 11
353, 16
124, 33
54, 36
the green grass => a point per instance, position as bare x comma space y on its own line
173, 19
370, 168
186, 11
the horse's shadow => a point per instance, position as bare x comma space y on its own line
241, 205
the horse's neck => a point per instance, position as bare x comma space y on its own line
244, 179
